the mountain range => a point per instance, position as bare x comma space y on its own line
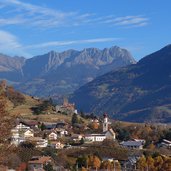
140, 92
55, 74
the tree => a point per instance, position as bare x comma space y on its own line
13, 161
74, 119
49, 151
107, 165
45, 106
26, 154
110, 143
158, 162
94, 162
82, 141
150, 163
82, 161
94, 125
27, 144
166, 165
116, 165
142, 163
48, 167
151, 146
123, 134
82, 114
168, 135
83, 169
6, 123
14, 96
43, 127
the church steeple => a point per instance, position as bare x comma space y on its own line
105, 123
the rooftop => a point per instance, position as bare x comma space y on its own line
131, 143
39, 160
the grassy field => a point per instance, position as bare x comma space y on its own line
24, 111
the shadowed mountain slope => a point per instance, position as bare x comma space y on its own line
140, 92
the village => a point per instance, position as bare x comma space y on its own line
77, 137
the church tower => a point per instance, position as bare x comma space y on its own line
105, 123
65, 103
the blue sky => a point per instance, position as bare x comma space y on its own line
32, 27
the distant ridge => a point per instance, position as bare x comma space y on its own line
54, 73
138, 93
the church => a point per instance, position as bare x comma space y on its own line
106, 134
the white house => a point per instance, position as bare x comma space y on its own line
59, 145
52, 136
22, 126
20, 133
62, 132
56, 145
16, 139
166, 143
110, 134
76, 137
29, 133
14, 133
40, 142
95, 137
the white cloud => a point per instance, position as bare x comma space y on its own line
128, 21
72, 42
9, 44
43, 17
35, 15
131, 21
8, 41
11, 21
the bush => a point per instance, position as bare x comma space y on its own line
14, 96
46, 105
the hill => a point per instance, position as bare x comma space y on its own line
16, 103
61, 73
139, 93
28, 108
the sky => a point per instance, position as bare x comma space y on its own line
34, 27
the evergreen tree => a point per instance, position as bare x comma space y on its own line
42, 127
74, 119
48, 167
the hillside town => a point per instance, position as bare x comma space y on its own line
55, 137
85, 85
77, 137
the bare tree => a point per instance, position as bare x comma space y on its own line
5, 126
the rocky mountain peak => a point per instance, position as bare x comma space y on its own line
63, 72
